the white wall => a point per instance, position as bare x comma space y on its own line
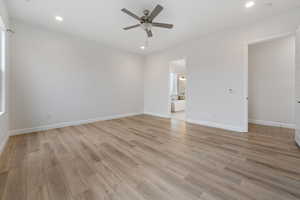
215, 64
272, 82
58, 78
4, 117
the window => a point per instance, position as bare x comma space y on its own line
2, 67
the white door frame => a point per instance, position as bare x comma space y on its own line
246, 71
297, 115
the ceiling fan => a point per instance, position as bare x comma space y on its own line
146, 21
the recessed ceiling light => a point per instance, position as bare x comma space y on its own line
59, 18
143, 47
249, 4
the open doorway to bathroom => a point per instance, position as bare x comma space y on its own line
178, 88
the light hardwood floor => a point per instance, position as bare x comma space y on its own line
178, 115
150, 158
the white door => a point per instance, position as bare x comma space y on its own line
298, 86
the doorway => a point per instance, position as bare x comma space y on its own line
271, 82
178, 88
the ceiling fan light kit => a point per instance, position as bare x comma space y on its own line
146, 21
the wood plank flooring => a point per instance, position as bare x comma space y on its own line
149, 158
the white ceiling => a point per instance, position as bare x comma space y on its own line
103, 21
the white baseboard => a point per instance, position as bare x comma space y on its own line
218, 125
204, 123
157, 115
65, 124
270, 123
3, 142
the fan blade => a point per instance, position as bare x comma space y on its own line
130, 27
131, 14
155, 12
162, 25
149, 33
